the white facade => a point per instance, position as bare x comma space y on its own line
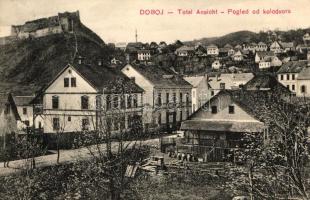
276, 47
144, 55
212, 50
289, 80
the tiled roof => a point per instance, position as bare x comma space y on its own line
231, 80
212, 46
293, 67
287, 44
261, 43
22, 100
228, 46
160, 76
185, 48
264, 81
262, 54
304, 74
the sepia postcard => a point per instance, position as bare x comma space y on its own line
155, 99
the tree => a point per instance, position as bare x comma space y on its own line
275, 167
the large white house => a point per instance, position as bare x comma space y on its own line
167, 97
81, 96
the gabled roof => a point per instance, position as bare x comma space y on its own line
228, 46
211, 46
185, 48
194, 80
293, 66
102, 77
22, 100
229, 79
261, 43
287, 44
262, 54
5, 99
265, 82
160, 76
304, 74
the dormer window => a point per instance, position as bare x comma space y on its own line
66, 82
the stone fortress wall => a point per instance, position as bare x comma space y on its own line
63, 22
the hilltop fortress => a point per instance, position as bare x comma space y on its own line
63, 22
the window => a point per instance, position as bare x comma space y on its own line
303, 89
187, 99
282, 77
159, 118
129, 97
287, 77
84, 102
115, 101
135, 101
55, 102
73, 82
213, 109
293, 87
181, 117
159, 99
66, 82
174, 97
222, 86
7, 109
55, 124
231, 109
108, 102
212, 93
293, 76
167, 98
25, 111
181, 97
69, 119
123, 103
85, 124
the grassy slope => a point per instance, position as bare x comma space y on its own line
27, 65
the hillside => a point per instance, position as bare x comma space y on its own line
248, 36
25, 66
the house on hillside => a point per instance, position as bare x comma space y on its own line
167, 96
238, 56
303, 80
212, 50
280, 47
269, 61
83, 97
185, 51
216, 64
261, 46
200, 92
260, 55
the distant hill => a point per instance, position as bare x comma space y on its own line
248, 36
27, 65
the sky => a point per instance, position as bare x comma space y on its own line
116, 20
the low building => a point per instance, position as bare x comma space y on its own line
238, 56
185, 51
269, 61
212, 50
200, 91
144, 55
261, 46
167, 96
260, 55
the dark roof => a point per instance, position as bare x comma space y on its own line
263, 82
22, 100
103, 77
160, 76
265, 53
5, 99
293, 66
304, 74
